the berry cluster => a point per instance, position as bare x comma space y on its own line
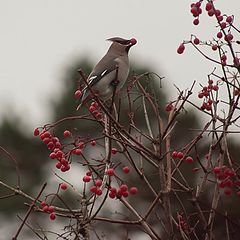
54, 145
122, 191
196, 11
96, 188
225, 24
207, 95
180, 155
95, 110
227, 179
48, 209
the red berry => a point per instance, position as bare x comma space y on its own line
51, 209
98, 115
214, 47
59, 154
94, 104
208, 107
229, 19
65, 168
210, 81
64, 161
43, 204
86, 179
196, 41
77, 151
78, 93
36, 132
63, 186
198, 4
58, 165
223, 25
219, 34
45, 208
228, 172
224, 63
194, 11
125, 194
81, 145
217, 12
52, 216
93, 142
99, 192
46, 140
205, 93
210, 101
126, 169
98, 183
112, 195
53, 155
58, 145
110, 172
189, 159
123, 187
113, 189
119, 193
174, 154
210, 12
196, 21
180, 155
220, 18
114, 151
205, 88
93, 189
45, 134
217, 170
228, 37
91, 109
66, 133
209, 6
133, 190
222, 184
215, 87
200, 95
223, 57
181, 48
169, 107
50, 146
221, 176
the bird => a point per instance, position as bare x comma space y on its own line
110, 73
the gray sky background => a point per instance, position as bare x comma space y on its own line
38, 39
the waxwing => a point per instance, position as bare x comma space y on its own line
111, 71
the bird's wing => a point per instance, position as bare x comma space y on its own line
102, 69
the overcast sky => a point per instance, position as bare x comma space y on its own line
38, 38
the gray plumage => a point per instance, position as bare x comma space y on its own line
111, 69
